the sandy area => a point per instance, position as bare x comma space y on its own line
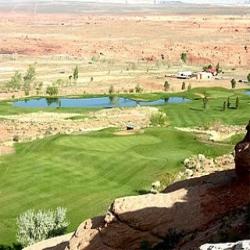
216, 133
26, 127
122, 50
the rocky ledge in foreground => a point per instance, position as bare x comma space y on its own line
189, 214
227, 246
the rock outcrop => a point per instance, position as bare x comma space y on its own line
227, 246
189, 213
242, 155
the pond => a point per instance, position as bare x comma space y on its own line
247, 92
93, 102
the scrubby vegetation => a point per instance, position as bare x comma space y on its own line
37, 226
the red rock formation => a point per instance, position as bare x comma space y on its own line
242, 155
192, 207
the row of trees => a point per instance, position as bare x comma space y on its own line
137, 89
25, 82
28, 82
228, 104
183, 86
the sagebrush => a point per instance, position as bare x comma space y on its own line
34, 226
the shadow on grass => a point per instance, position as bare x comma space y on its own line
13, 247
140, 192
197, 109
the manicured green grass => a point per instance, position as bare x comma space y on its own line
85, 173
192, 114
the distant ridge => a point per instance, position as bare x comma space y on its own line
140, 2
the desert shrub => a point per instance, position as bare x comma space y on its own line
138, 88
52, 90
131, 90
189, 86
37, 226
167, 179
158, 119
16, 138
111, 89
155, 187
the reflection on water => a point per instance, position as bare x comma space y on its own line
98, 102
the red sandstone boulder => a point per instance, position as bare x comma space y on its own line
242, 155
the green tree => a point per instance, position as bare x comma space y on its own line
237, 102
76, 73
184, 57
166, 86
29, 78
218, 68
205, 102
224, 106
52, 90
15, 81
30, 74
248, 77
233, 83
228, 103
111, 89
183, 87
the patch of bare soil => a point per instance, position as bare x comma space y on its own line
216, 133
26, 127
6, 149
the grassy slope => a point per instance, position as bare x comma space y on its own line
85, 173
193, 114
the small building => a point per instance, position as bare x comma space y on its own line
184, 75
204, 76
213, 71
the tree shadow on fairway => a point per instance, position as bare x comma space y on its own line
197, 109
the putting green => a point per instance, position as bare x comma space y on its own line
85, 173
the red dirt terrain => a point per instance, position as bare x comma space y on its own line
141, 35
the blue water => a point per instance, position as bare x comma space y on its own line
95, 102
247, 92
